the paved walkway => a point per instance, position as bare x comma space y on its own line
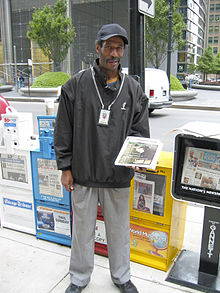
28, 265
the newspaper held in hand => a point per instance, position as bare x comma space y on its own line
139, 152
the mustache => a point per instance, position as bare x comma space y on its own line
113, 59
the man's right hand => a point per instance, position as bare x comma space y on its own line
67, 180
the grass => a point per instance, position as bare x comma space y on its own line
175, 84
50, 79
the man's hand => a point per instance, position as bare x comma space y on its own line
138, 169
67, 180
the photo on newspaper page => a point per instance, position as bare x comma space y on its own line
143, 198
139, 152
201, 168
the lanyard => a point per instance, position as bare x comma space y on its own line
98, 93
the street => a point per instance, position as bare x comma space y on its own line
161, 121
165, 120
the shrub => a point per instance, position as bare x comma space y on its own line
175, 84
51, 79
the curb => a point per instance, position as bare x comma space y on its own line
206, 87
6, 88
41, 92
183, 95
195, 107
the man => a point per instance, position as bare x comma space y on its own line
99, 107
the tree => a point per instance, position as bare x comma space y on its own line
52, 31
206, 62
217, 65
157, 32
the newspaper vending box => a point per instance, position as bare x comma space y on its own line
16, 193
196, 178
51, 200
157, 221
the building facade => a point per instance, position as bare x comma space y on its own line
195, 14
87, 17
214, 26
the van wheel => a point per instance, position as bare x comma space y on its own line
151, 110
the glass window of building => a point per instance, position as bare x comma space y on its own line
215, 40
217, 17
199, 51
184, 2
181, 67
210, 40
211, 18
215, 50
210, 29
217, 7
212, 7
181, 57
216, 28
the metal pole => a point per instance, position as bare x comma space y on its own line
28, 79
136, 45
16, 71
169, 51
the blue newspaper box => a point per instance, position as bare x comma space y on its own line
52, 202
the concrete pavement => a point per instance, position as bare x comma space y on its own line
30, 265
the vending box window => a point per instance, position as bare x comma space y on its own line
157, 221
196, 175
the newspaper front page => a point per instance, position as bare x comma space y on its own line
139, 151
14, 168
201, 168
49, 178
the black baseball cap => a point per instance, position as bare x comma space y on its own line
111, 30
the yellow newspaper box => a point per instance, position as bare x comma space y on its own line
157, 221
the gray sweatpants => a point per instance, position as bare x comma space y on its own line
115, 207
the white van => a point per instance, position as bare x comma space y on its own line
156, 88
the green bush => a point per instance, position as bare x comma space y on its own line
51, 79
175, 84
1, 84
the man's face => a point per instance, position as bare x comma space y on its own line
111, 53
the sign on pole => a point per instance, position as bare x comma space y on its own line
147, 7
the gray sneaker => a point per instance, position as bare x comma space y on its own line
127, 287
74, 289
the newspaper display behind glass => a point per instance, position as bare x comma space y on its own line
49, 178
139, 151
54, 220
14, 167
201, 168
143, 199
149, 193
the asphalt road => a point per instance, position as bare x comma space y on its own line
162, 122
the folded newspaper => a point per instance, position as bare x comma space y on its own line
201, 128
139, 152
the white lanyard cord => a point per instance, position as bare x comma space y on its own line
97, 90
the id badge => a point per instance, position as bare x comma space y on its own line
104, 117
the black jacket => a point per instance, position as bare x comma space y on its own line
89, 149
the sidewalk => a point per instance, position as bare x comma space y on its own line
29, 265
